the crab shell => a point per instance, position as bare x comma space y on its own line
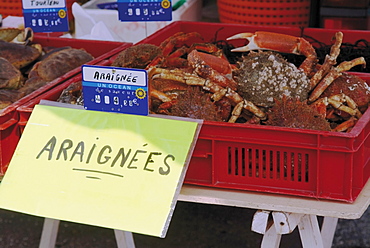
59, 63
138, 56
54, 66
352, 86
7, 97
11, 77
19, 55
9, 34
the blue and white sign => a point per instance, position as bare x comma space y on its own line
115, 89
45, 15
144, 10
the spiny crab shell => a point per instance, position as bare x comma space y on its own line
264, 77
352, 86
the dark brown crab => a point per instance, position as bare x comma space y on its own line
44, 71
18, 54
54, 66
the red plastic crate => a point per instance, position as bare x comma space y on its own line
335, 165
9, 134
308, 163
326, 35
215, 31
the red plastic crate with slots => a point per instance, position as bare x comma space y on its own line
9, 134
324, 165
308, 163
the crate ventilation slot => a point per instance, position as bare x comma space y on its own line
268, 164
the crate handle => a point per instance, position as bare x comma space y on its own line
8, 124
200, 154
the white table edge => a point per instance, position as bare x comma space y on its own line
277, 202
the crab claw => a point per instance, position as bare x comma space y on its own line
27, 36
252, 45
17, 35
284, 43
8, 34
270, 41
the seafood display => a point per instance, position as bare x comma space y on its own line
189, 77
25, 66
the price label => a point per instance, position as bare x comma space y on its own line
115, 89
45, 16
144, 10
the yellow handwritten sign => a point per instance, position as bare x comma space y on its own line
111, 170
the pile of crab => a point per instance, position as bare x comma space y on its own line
26, 67
192, 78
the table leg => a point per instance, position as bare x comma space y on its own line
271, 239
49, 233
309, 231
124, 239
328, 230
285, 223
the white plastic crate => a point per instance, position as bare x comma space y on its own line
94, 18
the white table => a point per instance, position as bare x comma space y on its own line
287, 213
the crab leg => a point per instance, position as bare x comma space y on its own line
330, 60
212, 67
159, 95
188, 79
218, 91
344, 126
332, 75
244, 104
337, 101
279, 42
